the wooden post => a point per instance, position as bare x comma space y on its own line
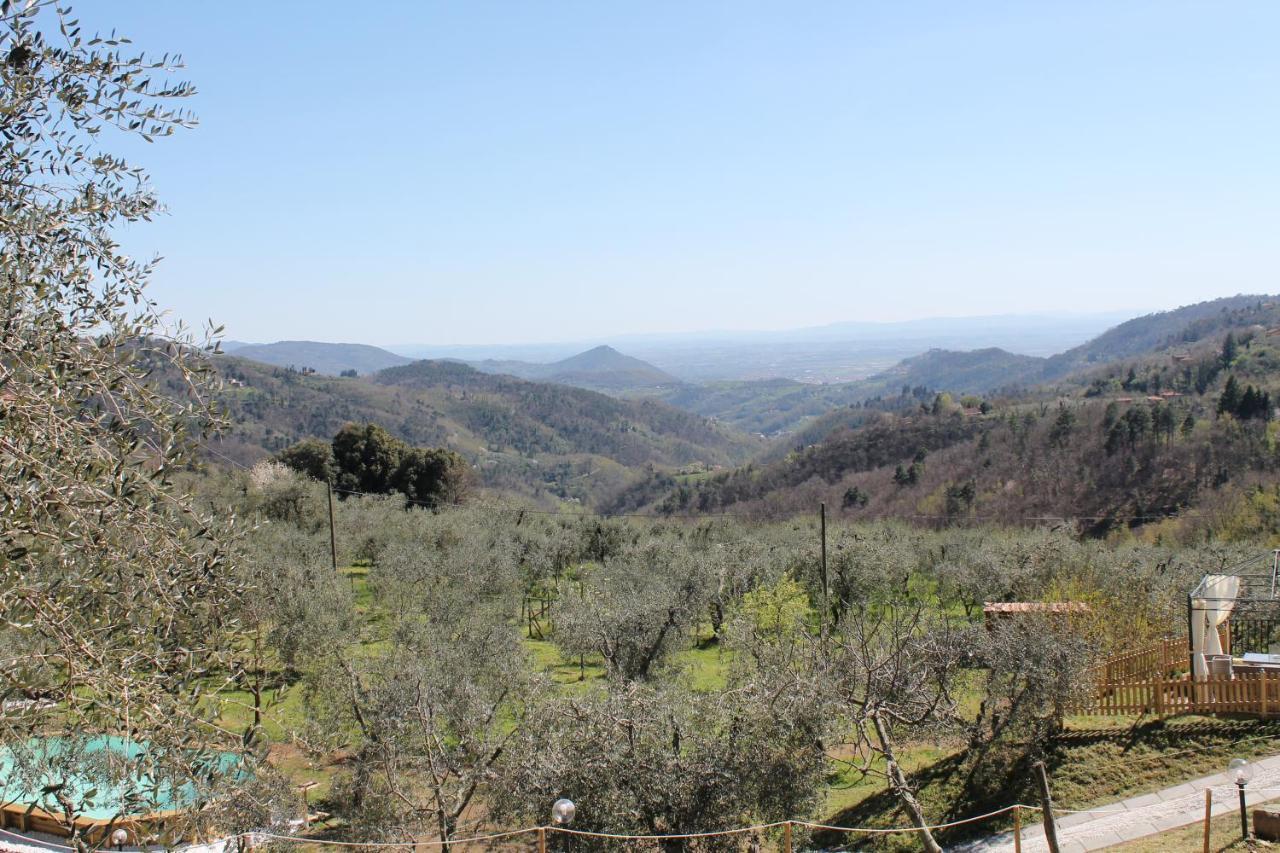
333, 538
1017, 829
826, 593
1208, 813
1046, 803
542, 839
786, 837
1262, 680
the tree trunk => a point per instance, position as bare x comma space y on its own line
898, 782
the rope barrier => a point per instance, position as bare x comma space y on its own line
564, 830
879, 831
618, 837
475, 839
258, 836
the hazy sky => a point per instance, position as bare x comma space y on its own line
396, 172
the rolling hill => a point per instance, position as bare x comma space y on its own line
326, 358
602, 368
539, 439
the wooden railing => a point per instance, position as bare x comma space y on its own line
1256, 694
1158, 660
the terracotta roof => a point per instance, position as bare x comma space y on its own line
1035, 607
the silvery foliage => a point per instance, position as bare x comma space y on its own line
114, 592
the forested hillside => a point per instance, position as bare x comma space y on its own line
538, 439
801, 411
1186, 430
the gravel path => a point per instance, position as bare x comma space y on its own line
1138, 817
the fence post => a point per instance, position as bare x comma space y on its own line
1263, 681
1157, 687
1208, 813
542, 839
786, 837
1017, 829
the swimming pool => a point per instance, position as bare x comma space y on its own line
99, 776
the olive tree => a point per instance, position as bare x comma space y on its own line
114, 590
652, 759
634, 610
894, 667
426, 719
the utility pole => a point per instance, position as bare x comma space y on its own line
826, 592
1046, 804
333, 537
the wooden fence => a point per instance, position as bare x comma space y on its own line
1158, 660
1255, 694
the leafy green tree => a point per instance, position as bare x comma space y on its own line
311, 457
432, 476
855, 497
366, 458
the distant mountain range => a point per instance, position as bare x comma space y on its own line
839, 352
538, 436
781, 405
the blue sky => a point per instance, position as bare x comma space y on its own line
476, 172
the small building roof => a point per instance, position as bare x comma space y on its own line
1004, 607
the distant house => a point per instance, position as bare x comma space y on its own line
995, 611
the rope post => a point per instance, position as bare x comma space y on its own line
1046, 803
542, 839
1017, 829
1208, 813
786, 837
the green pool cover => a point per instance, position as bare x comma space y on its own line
94, 775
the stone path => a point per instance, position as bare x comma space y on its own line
1138, 817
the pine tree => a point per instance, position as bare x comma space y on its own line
1229, 402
